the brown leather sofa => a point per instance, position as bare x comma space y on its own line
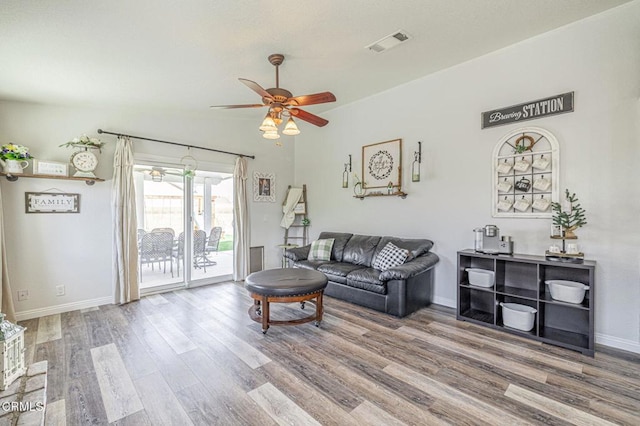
398, 291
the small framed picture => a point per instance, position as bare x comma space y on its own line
556, 231
51, 168
300, 208
264, 187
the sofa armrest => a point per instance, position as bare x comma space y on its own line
298, 253
410, 269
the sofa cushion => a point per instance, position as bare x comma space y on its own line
336, 279
366, 275
341, 239
367, 279
417, 247
339, 269
390, 256
309, 264
360, 249
321, 249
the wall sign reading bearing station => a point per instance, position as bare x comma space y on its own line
558, 104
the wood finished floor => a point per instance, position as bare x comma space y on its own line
195, 357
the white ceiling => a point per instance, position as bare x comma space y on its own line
187, 55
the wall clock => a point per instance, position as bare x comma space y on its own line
85, 163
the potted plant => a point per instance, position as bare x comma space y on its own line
13, 157
569, 215
358, 186
85, 142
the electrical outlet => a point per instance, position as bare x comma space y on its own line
60, 290
23, 295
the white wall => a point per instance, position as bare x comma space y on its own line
45, 250
598, 59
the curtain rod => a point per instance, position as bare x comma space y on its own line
100, 131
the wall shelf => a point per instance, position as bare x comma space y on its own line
13, 178
521, 279
400, 194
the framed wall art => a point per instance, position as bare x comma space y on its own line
51, 202
51, 168
381, 165
264, 187
525, 170
300, 208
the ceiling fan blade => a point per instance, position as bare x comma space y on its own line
256, 88
237, 106
316, 98
308, 117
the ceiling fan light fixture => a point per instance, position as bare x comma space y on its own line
282, 104
156, 174
271, 134
268, 124
291, 129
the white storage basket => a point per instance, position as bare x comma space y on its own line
480, 277
520, 317
567, 291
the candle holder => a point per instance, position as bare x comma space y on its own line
345, 174
415, 166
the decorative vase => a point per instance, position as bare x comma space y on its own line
14, 166
358, 190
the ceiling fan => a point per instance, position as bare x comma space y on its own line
282, 103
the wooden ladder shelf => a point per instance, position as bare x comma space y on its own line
301, 215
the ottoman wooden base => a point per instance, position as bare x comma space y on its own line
284, 286
259, 311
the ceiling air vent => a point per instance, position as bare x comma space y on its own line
386, 43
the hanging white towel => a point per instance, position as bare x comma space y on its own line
289, 205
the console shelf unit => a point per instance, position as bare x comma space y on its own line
520, 278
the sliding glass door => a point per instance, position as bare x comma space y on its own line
212, 212
168, 203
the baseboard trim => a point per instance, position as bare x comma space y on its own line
66, 307
443, 301
618, 343
601, 339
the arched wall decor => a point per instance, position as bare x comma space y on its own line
525, 169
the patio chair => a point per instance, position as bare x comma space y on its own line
156, 247
200, 259
199, 255
173, 232
214, 240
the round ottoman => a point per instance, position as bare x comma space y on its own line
286, 285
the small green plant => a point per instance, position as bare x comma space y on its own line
85, 141
306, 222
12, 151
571, 217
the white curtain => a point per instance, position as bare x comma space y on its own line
6, 301
125, 244
241, 239
287, 208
